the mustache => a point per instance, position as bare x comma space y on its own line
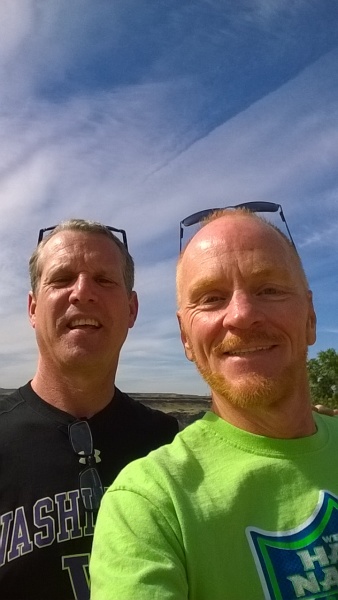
246, 340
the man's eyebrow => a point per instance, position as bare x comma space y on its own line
61, 268
276, 271
207, 283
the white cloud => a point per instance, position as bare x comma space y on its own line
116, 155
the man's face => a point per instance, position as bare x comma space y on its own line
81, 311
245, 314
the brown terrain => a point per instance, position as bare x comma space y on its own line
186, 409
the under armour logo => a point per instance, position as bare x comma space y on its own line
97, 453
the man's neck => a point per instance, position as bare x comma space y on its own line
290, 419
77, 395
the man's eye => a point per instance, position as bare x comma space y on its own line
270, 291
212, 299
62, 280
105, 281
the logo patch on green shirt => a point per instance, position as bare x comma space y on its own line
302, 562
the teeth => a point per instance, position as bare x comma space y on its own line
248, 351
79, 322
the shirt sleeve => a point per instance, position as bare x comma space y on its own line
137, 550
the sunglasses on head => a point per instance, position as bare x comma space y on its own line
255, 207
122, 232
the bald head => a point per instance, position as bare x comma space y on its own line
227, 228
245, 312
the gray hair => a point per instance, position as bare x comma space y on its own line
35, 267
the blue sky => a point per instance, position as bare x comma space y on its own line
137, 113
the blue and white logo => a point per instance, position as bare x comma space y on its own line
302, 562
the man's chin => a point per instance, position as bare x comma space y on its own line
258, 391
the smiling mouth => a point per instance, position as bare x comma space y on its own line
75, 323
248, 351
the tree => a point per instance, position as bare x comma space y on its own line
323, 375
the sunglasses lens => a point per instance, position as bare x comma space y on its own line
259, 206
91, 488
197, 217
81, 438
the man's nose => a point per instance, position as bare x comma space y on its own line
83, 289
242, 311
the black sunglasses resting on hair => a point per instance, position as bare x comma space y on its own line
113, 229
197, 217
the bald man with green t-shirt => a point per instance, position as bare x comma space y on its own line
243, 504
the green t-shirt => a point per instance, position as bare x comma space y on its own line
222, 514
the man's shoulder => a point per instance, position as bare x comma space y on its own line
330, 421
147, 414
9, 400
147, 428
173, 459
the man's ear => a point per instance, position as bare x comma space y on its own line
133, 309
311, 322
31, 308
186, 344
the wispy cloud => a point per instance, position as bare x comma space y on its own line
137, 114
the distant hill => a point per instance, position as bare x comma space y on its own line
186, 408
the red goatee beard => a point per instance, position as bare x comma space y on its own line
252, 390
